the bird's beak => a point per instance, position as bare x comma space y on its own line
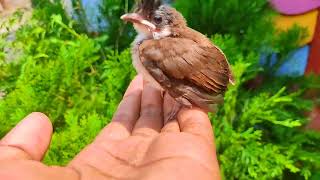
138, 19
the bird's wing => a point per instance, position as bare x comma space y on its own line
184, 60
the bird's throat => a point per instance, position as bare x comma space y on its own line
165, 32
145, 33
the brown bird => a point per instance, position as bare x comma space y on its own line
177, 58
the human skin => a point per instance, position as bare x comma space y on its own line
137, 144
15, 4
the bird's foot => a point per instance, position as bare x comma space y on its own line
174, 112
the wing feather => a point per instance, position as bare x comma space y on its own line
184, 59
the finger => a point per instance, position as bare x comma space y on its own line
33, 170
135, 85
28, 140
127, 114
169, 125
151, 113
196, 122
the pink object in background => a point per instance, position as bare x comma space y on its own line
294, 7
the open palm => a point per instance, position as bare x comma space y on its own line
139, 144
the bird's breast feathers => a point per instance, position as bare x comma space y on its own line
137, 64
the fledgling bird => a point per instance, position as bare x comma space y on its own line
177, 58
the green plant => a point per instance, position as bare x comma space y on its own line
66, 75
258, 132
121, 35
214, 16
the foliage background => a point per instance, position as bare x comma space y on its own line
78, 80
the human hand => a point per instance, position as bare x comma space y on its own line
137, 144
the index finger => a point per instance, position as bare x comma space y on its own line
196, 122
127, 113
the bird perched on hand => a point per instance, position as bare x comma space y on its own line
177, 58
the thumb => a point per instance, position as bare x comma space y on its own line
28, 140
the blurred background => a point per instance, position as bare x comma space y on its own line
71, 60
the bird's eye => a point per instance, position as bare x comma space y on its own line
157, 19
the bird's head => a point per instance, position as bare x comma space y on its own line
154, 20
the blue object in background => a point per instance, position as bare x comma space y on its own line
95, 19
295, 65
96, 22
268, 61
